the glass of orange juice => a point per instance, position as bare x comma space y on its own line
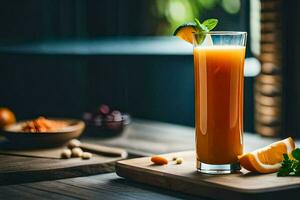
219, 82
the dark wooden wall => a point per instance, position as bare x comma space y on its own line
32, 20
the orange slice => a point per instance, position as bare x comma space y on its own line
267, 159
185, 32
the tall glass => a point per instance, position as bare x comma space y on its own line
219, 88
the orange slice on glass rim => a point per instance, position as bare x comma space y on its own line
185, 32
267, 159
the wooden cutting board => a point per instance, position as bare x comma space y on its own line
184, 178
36, 165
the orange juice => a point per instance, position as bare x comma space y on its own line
219, 80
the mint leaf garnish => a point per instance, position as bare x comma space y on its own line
210, 24
296, 154
203, 28
290, 167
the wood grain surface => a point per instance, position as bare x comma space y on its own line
55, 152
184, 178
103, 186
141, 138
20, 169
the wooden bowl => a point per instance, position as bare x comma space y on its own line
15, 134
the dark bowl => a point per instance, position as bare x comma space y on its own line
106, 130
15, 134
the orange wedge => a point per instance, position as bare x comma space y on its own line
185, 32
267, 159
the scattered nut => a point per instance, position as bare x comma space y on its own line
74, 143
76, 152
159, 160
66, 153
179, 161
174, 158
86, 155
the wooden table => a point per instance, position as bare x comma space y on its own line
141, 138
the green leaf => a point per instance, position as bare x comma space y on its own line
200, 26
283, 172
296, 154
297, 169
197, 22
203, 28
285, 157
290, 167
210, 23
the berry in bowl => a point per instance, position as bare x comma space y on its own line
106, 122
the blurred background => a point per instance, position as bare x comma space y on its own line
63, 58
80, 19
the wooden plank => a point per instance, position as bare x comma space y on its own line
18, 169
184, 178
37, 153
55, 152
65, 189
105, 186
23, 192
